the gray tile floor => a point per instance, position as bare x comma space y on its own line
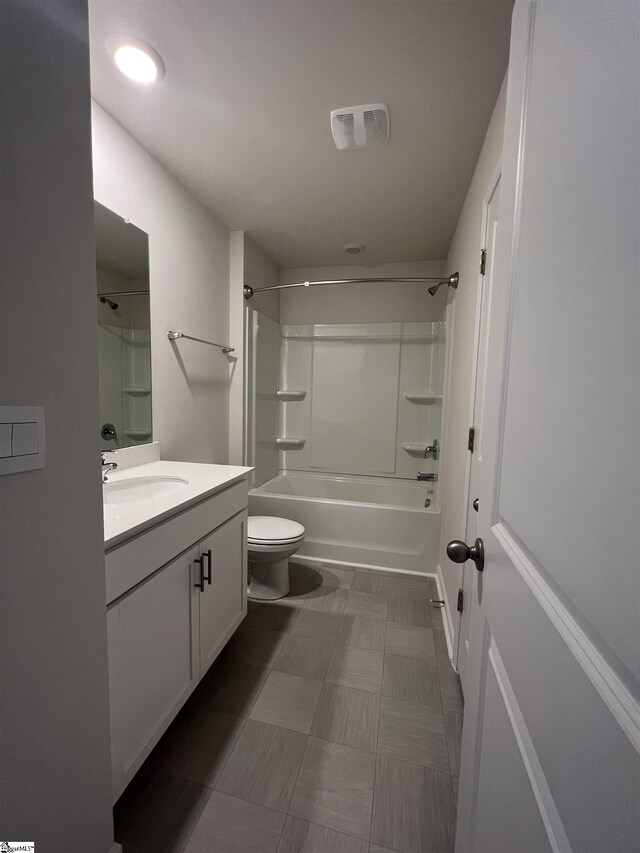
331, 723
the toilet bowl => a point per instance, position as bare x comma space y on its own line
270, 543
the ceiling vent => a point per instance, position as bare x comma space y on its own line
360, 127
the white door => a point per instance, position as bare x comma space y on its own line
222, 573
551, 737
484, 337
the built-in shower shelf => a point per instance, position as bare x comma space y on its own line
292, 443
137, 433
288, 396
422, 398
414, 447
137, 392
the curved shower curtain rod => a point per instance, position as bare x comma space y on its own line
451, 281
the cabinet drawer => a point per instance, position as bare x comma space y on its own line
134, 560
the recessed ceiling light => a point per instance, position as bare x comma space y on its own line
353, 248
136, 59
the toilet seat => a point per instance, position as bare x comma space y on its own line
265, 530
276, 549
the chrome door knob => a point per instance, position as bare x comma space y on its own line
460, 552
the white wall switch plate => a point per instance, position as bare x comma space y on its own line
22, 445
24, 441
6, 431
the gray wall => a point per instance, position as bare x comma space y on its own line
189, 291
54, 717
263, 368
260, 271
248, 264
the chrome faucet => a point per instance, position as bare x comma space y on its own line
430, 478
107, 467
432, 449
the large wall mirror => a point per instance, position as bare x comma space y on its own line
124, 339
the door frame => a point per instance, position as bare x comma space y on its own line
480, 293
473, 400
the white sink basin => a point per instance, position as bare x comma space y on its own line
141, 489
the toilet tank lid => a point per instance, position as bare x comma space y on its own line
269, 528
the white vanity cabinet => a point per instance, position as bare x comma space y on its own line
153, 663
168, 619
222, 599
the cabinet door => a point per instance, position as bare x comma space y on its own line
153, 662
223, 602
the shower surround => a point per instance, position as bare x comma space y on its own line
341, 418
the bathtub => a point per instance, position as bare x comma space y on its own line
373, 522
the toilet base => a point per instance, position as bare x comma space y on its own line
268, 581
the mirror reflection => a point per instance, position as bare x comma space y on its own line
124, 340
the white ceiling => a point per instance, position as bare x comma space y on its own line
242, 116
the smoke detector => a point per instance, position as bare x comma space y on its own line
353, 248
360, 127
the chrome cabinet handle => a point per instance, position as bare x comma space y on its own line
207, 577
200, 583
460, 552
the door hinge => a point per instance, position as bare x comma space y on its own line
460, 600
472, 438
483, 261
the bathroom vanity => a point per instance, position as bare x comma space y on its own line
176, 579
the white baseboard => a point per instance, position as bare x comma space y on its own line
319, 561
446, 621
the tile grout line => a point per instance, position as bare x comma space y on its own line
422, 705
417, 766
375, 754
373, 795
309, 736
306, 735
380, 694
375, 774
324, 682
306, 746
295, 784
243, 719
195, 826
446, 735
233, 749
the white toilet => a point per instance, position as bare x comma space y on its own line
270, 543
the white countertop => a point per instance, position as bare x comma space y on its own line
121, 521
